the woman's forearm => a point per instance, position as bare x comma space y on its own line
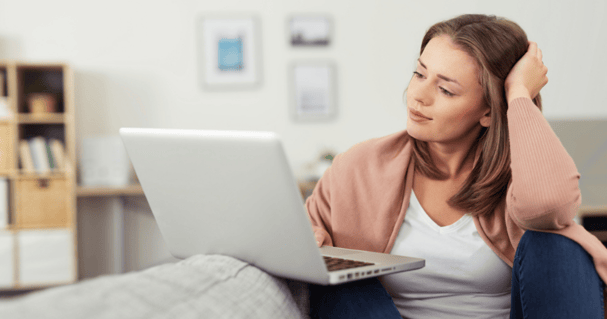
544, 192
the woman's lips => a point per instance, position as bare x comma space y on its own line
417, 117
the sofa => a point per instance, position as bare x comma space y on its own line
202, 286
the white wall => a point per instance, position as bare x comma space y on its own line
135, 62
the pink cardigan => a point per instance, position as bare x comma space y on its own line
361, 200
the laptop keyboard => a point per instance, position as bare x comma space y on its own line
334, 263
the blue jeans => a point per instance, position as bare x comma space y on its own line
552, 277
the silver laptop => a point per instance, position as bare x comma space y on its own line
233, 193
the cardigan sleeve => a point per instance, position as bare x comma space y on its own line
544, 191
318, 206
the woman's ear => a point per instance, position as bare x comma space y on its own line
486, 119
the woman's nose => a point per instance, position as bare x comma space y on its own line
422, 93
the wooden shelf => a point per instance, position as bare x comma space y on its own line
50, 118
99, 191
31, 288
32, 175
42, 205
592, 211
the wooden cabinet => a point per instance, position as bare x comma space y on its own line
39, 218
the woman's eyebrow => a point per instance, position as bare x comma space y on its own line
440, 76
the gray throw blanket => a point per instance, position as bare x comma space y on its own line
203, 286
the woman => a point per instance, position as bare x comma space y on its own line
478, 185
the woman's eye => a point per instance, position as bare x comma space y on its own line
447, 93
418, 75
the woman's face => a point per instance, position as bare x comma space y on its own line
446, 94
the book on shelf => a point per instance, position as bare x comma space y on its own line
25, 157
41, 156
58, 154
49, 155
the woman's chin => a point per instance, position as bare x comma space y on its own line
414, 131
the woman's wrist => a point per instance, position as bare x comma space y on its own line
516, 92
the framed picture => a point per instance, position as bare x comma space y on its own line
313, 91
310, 31
228, 52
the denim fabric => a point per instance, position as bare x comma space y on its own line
553, 277
359, 299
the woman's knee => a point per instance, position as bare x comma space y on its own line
550, 246
554, 255
555, 272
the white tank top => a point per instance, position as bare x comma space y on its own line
463, 277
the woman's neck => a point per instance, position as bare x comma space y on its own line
454, 159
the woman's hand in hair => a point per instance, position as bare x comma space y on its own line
528, 76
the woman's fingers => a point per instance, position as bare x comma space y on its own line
527, 75
318, 240
532, 49
535, 51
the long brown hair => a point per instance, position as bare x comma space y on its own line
496, 44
